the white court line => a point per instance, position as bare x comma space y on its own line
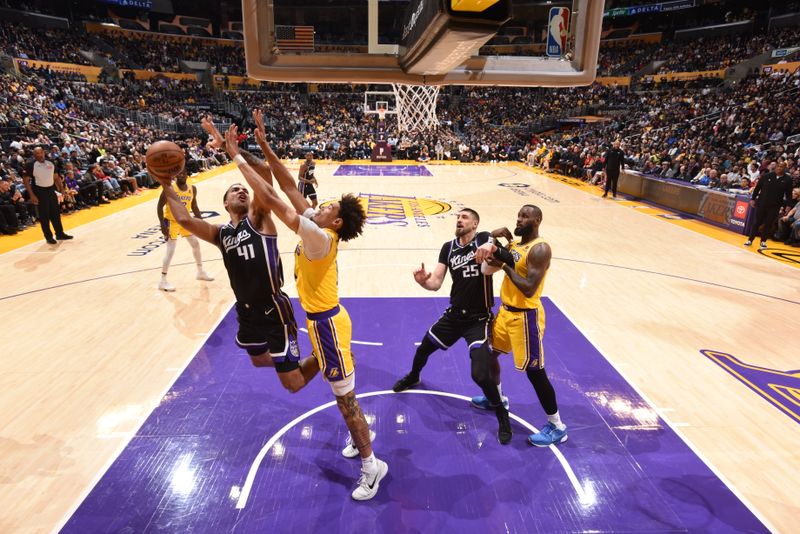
251, 474
101, 473
674, 427
354, 342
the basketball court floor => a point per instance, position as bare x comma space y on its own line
126, 409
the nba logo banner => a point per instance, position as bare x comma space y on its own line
557, 31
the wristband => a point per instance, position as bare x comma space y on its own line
239, 159
505, 256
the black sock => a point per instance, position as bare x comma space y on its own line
544, 390
482, 375
425, 349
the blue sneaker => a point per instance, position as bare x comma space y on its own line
549, 435
482, 403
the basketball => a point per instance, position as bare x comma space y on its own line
165, 158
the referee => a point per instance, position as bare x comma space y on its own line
40, 181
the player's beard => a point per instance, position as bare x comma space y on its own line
522, 230
240, 208
462, 231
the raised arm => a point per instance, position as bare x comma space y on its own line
217, 141
263, 193
281, 173
538, 262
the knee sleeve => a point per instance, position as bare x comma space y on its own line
170, 252
341, 388
195, 244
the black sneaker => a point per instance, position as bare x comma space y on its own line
51, 241
64, 237
407, 382
504, 432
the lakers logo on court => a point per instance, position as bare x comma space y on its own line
780, 388
394, 210
786, 255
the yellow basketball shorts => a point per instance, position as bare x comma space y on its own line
330, 332
520, 332
176, 230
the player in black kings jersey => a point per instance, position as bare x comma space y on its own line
469, 315
306, 180
267, 328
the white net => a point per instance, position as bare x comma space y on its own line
416, 107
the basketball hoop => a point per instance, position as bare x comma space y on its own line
381, 114
416, 107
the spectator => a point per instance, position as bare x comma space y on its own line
789, 224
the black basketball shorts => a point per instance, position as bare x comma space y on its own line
455, 324
268, 327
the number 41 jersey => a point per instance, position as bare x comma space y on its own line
253, 263
471, 290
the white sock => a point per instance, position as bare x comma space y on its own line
556, 420
369, 462
500, 389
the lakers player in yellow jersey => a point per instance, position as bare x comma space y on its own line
316, 272
519, 325
187, 194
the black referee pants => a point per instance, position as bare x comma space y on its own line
612, 177
766, 215
49, 212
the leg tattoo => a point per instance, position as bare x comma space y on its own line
356, 423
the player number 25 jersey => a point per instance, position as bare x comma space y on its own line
471, 291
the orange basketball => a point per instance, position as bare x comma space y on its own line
165, 159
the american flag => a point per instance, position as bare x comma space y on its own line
295, 38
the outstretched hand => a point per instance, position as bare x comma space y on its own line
261, 131
494, 262
261, 138
503, 232
421, 275
232, 141
258, 117
208, 125
484, 252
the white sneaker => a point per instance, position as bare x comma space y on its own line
350, 450
368, 483
202, 275
163, 285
